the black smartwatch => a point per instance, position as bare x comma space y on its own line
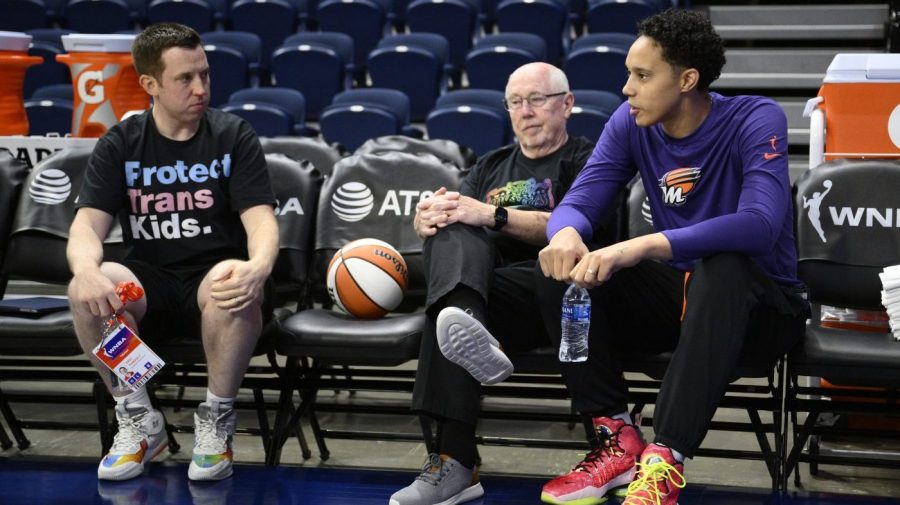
501, 217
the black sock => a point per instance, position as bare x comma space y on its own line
458, 442
466, 298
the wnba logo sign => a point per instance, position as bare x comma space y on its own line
353, 201
51, 187
677, 184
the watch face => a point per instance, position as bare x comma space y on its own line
500, 218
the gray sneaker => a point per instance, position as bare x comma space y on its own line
443, 481
466, 342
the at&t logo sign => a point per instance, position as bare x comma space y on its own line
353, 201
51, 187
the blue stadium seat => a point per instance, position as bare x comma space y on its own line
494, 57
597, 61
54, 91
23, 15
47, 73
229, 72
591, 112
474, 118
357, 115
455, 20
341, 43
48, 115
604, 16
248, 44
197, 14
266, 119
291, 100
414, 64
365, 21
316, 71
98, 16
548, 19
271, 20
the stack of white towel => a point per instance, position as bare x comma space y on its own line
890, 297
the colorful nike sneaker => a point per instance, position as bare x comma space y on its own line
660, 478
141, 437
610, 466
213, 433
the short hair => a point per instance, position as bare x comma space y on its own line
149, 45
688, 40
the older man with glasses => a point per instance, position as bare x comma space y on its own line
481, 247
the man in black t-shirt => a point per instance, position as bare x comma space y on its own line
190, 187
481, 246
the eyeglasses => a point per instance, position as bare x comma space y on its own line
535, 100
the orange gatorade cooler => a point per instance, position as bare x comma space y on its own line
104, 80
860, 97
14, 60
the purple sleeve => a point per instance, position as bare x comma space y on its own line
754, 227
608, 169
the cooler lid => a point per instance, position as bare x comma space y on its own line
98, 43
864, 67
14, 41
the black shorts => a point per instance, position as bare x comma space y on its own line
172, 310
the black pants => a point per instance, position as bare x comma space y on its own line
733, 313
464, 255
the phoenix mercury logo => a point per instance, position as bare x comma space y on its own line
677, 184
814, 213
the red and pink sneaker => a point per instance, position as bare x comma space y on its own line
610, 466
660, 478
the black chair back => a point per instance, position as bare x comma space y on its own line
375, 196
846, 219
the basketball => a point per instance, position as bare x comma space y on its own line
367, 278
827, 184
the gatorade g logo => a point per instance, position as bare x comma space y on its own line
90, 87
677, 184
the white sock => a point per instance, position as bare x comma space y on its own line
139, 397
224, 402
624, 416
675, 454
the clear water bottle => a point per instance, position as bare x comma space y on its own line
576, 323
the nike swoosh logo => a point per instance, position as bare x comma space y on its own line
770, 156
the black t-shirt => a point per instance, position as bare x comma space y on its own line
505, 177
178, 201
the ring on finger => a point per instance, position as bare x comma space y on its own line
590, 272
